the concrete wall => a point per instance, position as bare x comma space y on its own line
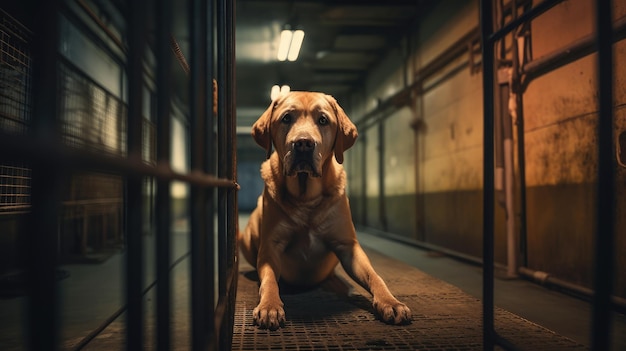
432, 175
561, 150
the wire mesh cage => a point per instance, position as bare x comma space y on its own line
15, 77
14, 187
93, 181
91, 117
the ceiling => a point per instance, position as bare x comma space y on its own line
343, 40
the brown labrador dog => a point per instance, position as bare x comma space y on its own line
302, 226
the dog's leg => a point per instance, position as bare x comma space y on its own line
356, 263
269, 314
248, 243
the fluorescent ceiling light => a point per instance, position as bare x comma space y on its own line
290, 44
277, 91
296, 44
285, 43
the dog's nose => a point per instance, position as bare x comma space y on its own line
304, 145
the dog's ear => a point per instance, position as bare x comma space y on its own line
346, 130
261, 130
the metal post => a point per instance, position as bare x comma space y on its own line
202, 271
163, 199
227, 161
364, 200
605, 215
134, 200
521, 153
41, 240
223, 113
231, 132
382, 207
486, 21
232, 201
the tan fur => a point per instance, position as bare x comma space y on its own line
302, 225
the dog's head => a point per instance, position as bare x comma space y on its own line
306, 128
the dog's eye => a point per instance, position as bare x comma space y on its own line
286, 119
323, 120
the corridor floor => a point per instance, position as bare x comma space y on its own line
444, 317
444, 295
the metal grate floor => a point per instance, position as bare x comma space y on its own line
444, 317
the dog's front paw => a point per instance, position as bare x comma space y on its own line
392, 311
269, 316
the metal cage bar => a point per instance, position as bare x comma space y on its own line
486, 28
134, 201
43, 311
489, 37
50, 157
227, 197
605, 226
202, 233
605, 198
163, 16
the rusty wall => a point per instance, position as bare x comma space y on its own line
560, 114
432, 150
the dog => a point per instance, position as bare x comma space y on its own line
302, 225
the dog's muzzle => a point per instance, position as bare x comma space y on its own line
303, 158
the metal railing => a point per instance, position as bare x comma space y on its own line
212, 177
605, 210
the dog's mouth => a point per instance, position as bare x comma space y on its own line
302, 158
297, 163
304, 167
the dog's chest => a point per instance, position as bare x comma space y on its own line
306, 245
308, 229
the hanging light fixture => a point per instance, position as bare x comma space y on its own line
290, 44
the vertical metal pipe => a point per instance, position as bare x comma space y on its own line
227, 122
605, 215
521, 164
516, 86
486, 21
163, 199
232, 127
507, 112
226, 160
512, 260
382, 210
364, 178
210, 165
134, 201
504, 178
41, 239
202, 294
230, 131
222, 140
210, 162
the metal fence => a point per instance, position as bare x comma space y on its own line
605, 199
15, 65
47, 133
